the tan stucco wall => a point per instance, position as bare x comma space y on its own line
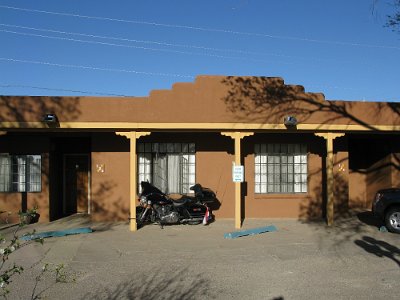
110, 190
376, 169
213, 170
211, 99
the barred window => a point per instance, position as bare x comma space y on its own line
20, 173
168, 166
280, 168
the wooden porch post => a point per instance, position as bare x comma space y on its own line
329, 137
237, 136
133, 136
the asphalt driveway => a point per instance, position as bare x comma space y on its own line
352, 260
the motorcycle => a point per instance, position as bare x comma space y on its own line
158, 208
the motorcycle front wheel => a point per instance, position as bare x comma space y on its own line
139, 212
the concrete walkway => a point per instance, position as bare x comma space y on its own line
351, 260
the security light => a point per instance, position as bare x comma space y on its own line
290, 121
50, 118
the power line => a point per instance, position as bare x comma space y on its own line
150, 42
4, 85
136, 47
203, 29
93, 68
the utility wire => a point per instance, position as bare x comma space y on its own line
93, 68
155, 42
203, 29
138, 47
147, 41
58, 89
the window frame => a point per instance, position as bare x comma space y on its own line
148, 152
24, 173
281, 168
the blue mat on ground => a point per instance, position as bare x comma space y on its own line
57, 233
236, 234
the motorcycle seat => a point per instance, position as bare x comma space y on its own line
183, 200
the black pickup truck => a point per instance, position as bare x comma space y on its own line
386, 206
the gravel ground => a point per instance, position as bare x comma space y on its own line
351, 260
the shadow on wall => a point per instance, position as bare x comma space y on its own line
32, 109
269, 100
105, 206
266, 99
375, 161
314, 208
178, 284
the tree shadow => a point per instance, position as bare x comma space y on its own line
103, 208
29, 112
33, 109
314, 207
178, 284
379, 248
268, 99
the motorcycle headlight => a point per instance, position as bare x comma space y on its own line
143, 200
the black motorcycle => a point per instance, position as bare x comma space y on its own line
158, 208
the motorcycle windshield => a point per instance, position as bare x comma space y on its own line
148, 188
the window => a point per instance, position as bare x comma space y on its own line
280, 168
20, 173
169, 166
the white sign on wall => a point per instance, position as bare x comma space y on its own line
238, 173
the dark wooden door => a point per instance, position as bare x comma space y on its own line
76, 184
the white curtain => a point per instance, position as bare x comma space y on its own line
173, 173
5, 173
144, 166
21, 180
160, 172
34, 173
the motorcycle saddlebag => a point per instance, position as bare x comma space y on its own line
196, 210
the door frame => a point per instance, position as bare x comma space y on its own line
64, 204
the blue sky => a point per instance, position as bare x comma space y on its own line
340, 48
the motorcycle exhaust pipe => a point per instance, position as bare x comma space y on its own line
191, 220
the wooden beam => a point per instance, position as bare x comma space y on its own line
133, 136
237, 137
330, 197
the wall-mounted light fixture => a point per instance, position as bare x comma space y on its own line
51, 120
290, 121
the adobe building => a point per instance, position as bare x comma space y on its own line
304, 157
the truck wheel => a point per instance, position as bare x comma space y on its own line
392, 220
